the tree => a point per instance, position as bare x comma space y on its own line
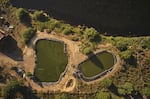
145, 43
67, 30
61, 96
40, 16
126, 54
121, 45
106, 82
126, 89
122, 91
146, 91
103, 95
10, 90
17, 89
23, 16
90, 34
27, 34
86, 50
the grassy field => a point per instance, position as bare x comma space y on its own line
97, 64
51, 60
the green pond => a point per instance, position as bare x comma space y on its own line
97, 64
51, 60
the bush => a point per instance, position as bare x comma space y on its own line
61, 96
126, 89
17, 88
28, 74
103, 95
126, 55
146, 91
90, 34
28, 34
145, 43
14, 68
10, 90
86, 50
106, 82
122, 91
67, 31
23, 16
121, 45
40, 16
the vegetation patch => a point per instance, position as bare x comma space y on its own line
51, 60
23, 16
17, 90
27, 34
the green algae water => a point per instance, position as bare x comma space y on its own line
97, 64
51, 60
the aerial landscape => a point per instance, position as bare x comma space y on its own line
74, 49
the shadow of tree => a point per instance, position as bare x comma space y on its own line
27, 93
114, 89
94, 59
132, 61
9, 47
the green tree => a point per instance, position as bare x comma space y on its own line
121, 91
67, 30
146, 91
121, 45
10, 90
86, 50
40, 16
90, 34
61, 96
17, 89
107, 82
145, 43
23, 16
126, 89
103, 95
27, 34
126, 54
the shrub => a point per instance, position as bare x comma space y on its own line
121, 45
61, 96
106, 82
145, 43
121, 91
67, 31
28, 34
126, 55
86, 50
90, 34
28, 74
40, 16
103, 95
23, 16
146, 91
10, 90
126, 89
17, 88
14, 68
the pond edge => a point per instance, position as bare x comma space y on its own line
62, 74
80, 74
